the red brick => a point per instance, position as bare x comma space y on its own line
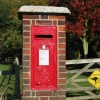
61, 22
62, 63
33, 22
26, 57
62, 45
26, 75
26, 63
27, 28
25, 81
61, 28
35, 98
30, 16
26, 93
61, 34
62, 69
54, 22
44, 98
62, 75
26, 51
56, 17
26, 33
53, 98
61, 93
43, 22
26, 22
57, 98
33, 93
26, 45
26, 69
44, 16
25, 87
62, 87
62, 40
62, 57
35, 16
55, 93
43, 93
62, 51
26, 39
30, 98
62, 81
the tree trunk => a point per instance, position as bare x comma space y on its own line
85, 47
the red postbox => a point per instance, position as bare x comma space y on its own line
44, 57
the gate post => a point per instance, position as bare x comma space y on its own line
44, 16
17, 94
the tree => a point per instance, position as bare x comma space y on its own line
84, 19
11, 26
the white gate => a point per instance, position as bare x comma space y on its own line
78, 88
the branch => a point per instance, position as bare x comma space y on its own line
81, 39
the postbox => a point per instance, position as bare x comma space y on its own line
43, 57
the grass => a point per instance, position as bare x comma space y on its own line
5, 66
8, 79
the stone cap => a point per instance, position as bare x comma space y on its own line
43, 10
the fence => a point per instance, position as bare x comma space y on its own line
14, 71
78, 88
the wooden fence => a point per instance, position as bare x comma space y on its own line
15, 70
78, 88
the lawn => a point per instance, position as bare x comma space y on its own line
8, 79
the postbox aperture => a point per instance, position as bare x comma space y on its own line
44, 57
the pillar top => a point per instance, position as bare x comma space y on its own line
43, 10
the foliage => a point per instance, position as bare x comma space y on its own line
34, 2
11, 26
12, 45
84, 19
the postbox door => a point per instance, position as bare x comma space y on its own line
44, 65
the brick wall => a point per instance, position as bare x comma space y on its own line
59, 21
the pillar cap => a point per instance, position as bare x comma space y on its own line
43, 10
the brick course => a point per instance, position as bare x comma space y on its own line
43, 22
59, 21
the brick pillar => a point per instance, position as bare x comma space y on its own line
41, 19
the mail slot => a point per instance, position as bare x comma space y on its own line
43, 36
44, 57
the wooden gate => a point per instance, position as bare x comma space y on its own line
78, 88
6, 81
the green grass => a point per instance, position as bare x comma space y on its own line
8, 79
4, 66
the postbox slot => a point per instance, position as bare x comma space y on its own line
43, 36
